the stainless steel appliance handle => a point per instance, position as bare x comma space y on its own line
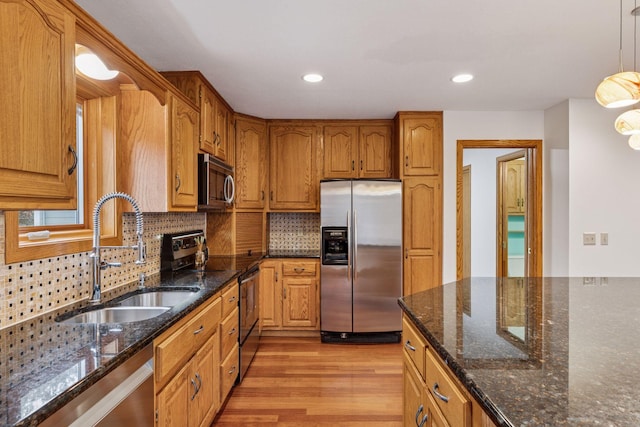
349, 257
355, 244
229, 189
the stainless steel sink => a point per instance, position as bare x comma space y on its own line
159, 298
117, 315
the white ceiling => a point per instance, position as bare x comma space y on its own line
379, 56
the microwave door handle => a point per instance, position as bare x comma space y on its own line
225, 189
231, 192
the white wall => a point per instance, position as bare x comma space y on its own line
476, 125
555, 181
604, 182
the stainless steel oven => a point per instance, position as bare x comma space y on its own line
249, 316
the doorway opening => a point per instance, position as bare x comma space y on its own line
506, 219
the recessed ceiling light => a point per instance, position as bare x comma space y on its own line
312, 78
462, 78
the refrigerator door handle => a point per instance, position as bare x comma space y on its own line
349, 258
355, 244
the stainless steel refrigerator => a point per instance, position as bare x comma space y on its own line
361, 260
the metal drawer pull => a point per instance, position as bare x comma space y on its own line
199, 378
232, 299
298, 269
438, 395
424, 420
409, 346
232, 370
197, 331
233, 331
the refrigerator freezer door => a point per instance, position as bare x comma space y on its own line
335, 280
377, 256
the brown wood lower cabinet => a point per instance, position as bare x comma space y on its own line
187, 380
289, 294
432, 396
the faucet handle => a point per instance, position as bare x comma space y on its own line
142, 252
104, 265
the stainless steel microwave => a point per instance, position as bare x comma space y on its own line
216, 187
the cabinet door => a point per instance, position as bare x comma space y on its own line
206, 375
515, 187
422, 233
184, 132
414, 410
375, 152
341, 152
421, 145
299, 301
294, 179
251, 164
207, 120
37, 105
270, 295
221, 130
172, 403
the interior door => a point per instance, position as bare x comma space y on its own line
511, 215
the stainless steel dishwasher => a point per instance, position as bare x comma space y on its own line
124, 397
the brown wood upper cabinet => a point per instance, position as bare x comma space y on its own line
420, 143
251, 163
353, 151
294, 178
214, 113
157, 155
37, 106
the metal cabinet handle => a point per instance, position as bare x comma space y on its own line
75, 160
424, 419
232, 370
197, 331
361, 164
195, 389
178, 182
271, 196
299, 269
353, 165
199, 378
406, 254
406, 161
284, 293
438, 395
262, 195
233, 331
232, 299
276, 276
409, 346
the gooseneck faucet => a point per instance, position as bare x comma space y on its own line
98, 264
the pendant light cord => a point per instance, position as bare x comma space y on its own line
620, 47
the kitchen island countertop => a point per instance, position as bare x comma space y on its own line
45, 364
539, 351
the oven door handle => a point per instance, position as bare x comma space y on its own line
250, 278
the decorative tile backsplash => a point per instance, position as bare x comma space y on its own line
31, 288
294, 231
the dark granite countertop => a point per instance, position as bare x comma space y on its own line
540, 351
45, 364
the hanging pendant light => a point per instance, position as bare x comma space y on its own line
628, 123
634, 141
621, 89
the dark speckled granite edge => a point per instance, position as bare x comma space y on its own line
218, 280
487, 405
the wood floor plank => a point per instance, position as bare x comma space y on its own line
301, 381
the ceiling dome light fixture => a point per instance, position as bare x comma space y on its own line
462, 78
312, 78
623, 88
89, 64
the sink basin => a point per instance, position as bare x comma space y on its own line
159, 298
117, 315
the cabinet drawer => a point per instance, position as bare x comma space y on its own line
298, 268
414, 345
229, 300
177, 348
229, 333
229, 370
455, 407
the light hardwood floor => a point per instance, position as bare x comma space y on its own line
302, 382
